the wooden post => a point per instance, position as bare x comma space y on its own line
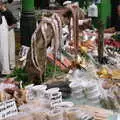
100, 41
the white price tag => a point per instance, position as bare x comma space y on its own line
53, 103
8, 109
55, 99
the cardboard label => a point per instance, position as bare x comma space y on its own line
53, 103
8, 109
55, 99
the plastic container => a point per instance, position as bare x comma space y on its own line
75, 86
23, 116
56, 114
52, 93
73, 113
39, 114
91, 85
64, 105
78, 97
52, 90
39, 90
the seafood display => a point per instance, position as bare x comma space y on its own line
89, 87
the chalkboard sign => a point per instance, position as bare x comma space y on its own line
8, 109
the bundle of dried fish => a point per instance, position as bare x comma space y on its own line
48, 32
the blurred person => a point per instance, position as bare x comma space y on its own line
4, 55
7, 43
11, 21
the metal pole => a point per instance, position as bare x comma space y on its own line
28, 22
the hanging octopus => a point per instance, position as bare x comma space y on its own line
48, 33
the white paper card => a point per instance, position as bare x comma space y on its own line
8, 109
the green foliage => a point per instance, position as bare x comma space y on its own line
20, 75
50, 71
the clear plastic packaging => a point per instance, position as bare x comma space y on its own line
24, 108
75, 86
30, 106
21, 116
25, 116
75, 113
64, 105
39, 90
93, 93
72, 113
39, 114
50, 92
44, 103
56, 114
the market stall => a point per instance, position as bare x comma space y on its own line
87, 89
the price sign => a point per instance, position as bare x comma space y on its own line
55, 99
8, 109
53, 103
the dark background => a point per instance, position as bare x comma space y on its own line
43, 4
114, 4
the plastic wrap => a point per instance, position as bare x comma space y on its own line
39, 114
39, 90
21, 116
56, 114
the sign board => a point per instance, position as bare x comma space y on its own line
8, 109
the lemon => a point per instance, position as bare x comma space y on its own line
83, 49
104, 71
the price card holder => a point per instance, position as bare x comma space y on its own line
8, 109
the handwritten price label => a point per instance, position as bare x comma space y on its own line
8, 109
